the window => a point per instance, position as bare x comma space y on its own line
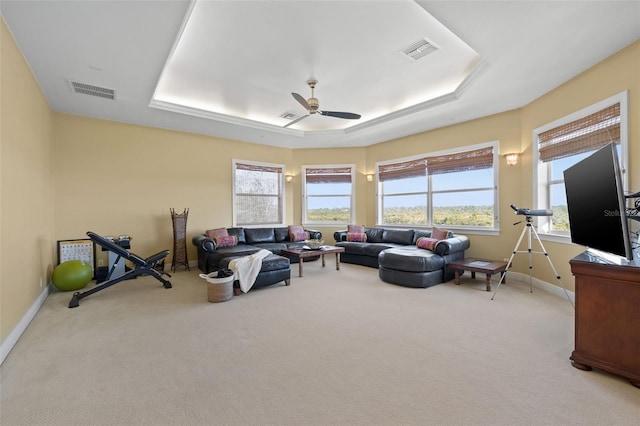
328, 194
257, 194
456, 189
563, 143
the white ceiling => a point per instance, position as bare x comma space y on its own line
227, 68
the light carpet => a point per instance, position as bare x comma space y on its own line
334, 348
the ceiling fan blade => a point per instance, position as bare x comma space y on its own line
347, 115
292, 122
300, 99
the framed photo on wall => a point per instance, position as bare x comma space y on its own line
80, 249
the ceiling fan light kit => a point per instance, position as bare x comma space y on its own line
312, 105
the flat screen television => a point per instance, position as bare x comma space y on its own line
596, 203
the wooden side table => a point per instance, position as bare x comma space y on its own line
488, 267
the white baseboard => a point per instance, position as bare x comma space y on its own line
543, 285
15, 334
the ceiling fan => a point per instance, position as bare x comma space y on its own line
312, 106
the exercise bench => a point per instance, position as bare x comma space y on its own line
141, 267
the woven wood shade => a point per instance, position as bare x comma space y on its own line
406, 169
258, 168
328, 175
476, 159
461, 161
584, 135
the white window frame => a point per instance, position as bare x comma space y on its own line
281, 193
542, 171
429, 191
352, 208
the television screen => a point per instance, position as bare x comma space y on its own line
596, 203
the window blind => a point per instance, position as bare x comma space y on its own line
403, 170
461, 161
328, 175
258, 194
583, 135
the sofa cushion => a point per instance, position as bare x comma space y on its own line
410, 259
374, 249
398, 236
272, 247
374, 235
260, 235
281, 234
353, 247
239, 233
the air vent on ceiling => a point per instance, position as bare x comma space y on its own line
419, 49
92, 90
289, 115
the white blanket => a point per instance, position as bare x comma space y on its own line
247, 268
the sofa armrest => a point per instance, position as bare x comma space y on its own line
204, 242
313, 234
454, 244
340, 236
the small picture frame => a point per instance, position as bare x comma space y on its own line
79, 249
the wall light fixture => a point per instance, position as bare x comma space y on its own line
512, 158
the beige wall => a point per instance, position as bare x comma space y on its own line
27, 249
616, 74
116, 178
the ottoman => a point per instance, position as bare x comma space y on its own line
411, 266
274, 270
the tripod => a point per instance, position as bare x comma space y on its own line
528, 229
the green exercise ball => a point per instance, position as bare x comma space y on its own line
72, 275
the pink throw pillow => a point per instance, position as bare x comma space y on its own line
357, 229
226, 241
427, 243
301, 236
218, 232
357, 236
439, 234
295, 230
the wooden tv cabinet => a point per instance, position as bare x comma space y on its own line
607, 317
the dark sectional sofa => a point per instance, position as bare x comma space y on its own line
275, 268
399, 260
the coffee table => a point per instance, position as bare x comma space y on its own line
474, 265
300, 254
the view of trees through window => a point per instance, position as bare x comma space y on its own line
460, 198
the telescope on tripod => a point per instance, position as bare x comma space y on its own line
528, 230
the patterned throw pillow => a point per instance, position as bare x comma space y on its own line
301, 236
427, 243
439, 234
218, 232
357, 236
226, 241
356, 229
297, 233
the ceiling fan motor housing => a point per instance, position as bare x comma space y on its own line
313, 105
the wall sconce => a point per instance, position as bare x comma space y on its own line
288, 178
512, 158
369, 178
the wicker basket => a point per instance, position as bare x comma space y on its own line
218, 289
